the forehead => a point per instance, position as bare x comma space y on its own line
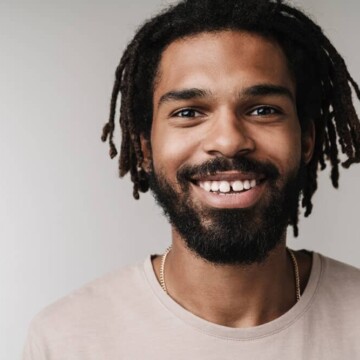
222, 61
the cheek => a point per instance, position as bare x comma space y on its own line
171, 148
283, 147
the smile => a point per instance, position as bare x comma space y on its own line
229, 190
227, 187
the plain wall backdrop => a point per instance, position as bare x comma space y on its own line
65, 216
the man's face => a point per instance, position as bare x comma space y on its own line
226, 145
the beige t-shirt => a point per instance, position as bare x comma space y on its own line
127, 315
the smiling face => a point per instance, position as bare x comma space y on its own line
226, 144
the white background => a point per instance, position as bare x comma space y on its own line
65, 217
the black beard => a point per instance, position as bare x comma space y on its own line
230, 236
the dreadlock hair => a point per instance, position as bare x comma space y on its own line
323, 83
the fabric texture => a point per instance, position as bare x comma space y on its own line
127, 315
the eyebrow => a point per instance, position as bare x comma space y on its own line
252, 91
267, 89
185, 94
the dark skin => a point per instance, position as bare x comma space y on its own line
229, 118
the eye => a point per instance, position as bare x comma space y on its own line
187, 113
264, 111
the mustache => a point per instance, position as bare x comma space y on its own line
221, 164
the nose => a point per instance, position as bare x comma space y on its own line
228, 136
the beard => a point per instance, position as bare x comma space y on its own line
230, 236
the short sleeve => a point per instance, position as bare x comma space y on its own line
32, 350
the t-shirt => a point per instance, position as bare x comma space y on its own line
127, 315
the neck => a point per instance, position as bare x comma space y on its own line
231, 295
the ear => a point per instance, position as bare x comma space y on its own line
308, 142
146, 150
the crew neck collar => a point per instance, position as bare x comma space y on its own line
249, 333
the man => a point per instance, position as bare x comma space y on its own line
228, 109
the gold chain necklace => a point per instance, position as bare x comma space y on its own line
292, 255
162, 269
297, 275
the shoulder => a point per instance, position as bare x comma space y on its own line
92, 307
340, 283
340, 274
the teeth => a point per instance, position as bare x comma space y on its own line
207, 185
237, 185
215, 186
225, 186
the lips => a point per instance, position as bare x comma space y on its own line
229, 176
227, 182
